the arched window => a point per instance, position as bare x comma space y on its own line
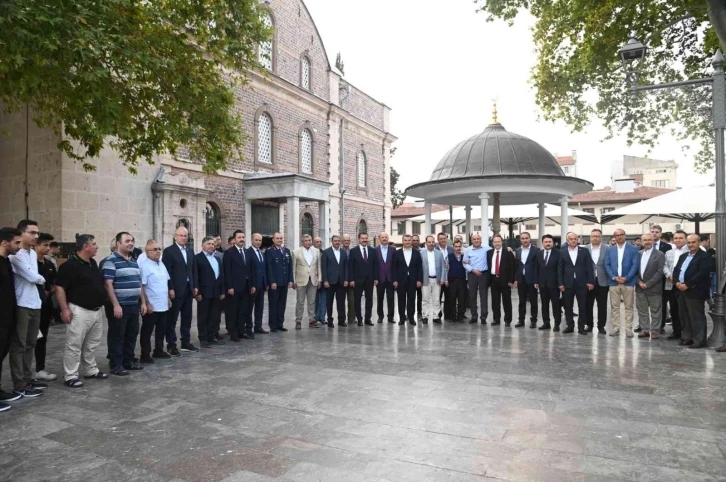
362, 166
306, 152
362, 226
266, 49
213, 220
306, 226
305, 73
264, 138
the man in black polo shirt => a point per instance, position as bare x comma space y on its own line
81, 294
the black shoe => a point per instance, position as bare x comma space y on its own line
589, 328
602, 331
392, 321
495, 323
569, 329
544, 327
214, 342
360, 323
437, 321
401, 322
533, 324
370, 323
581, 331
261, 331
134, 366
556, 329
28, 391
119, 372
462, 319
412, 322
98, 376
662, 331
146, 359
425, 321
331, 324
674, 336
244, 336
174, 352
160, 354
205, 344
37, 385
189, 347
380, 320
472, 321
235, 337
519, 325
282, 328
250, 336
218, 337
9, 397
342, 323
638, 329
507, 324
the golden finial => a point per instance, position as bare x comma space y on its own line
495, 118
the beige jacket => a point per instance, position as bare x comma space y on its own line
301, 271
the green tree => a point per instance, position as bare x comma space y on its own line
397, 196
578, 76
144, 78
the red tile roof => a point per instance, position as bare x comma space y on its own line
566, 161
409, 210
640, 193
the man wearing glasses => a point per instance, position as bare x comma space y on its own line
155, 279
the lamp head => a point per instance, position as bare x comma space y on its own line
632, 50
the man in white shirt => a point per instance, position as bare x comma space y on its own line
598, 252
671, 260
22, 343
434, 277
649, 288
155, 279
307, 277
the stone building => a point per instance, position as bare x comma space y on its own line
317, 161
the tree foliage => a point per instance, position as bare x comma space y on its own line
578, 76
141, 77
397, 196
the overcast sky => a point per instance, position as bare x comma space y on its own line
439, 68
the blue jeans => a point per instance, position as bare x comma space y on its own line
320, 305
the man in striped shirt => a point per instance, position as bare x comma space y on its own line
123, 285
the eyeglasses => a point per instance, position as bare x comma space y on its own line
154, 249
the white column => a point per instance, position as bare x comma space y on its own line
281, 227
427, 222
292, 240
484, 198
248, 223
564, 222
496, 218
467, 210
323, 221
541, 225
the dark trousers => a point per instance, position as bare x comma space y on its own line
673, 300
182, 303
258, 305
350, 297
692, 314
664, 304
550, 296
579, 293
478, 286
208, 312
457, 295
7, 327
122, 334
599, 294
501, 294
153, 323
446, 303
277, 301
385, 289
419, 302
237, 314
336, 292
406, 301
527, 292
46, 313
361, 287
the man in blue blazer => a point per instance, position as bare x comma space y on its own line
525, 277
278, 262
239, 281
334, 267
576, 276
257, 301
179, 262
621, 266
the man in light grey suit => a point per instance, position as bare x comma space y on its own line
598, 252
649, 288
434, 278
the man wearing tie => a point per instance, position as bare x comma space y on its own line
576, 277
598, 253
334, 270
278, 262
525, 279
621, 266
257, 300
501, 280
179, 262
384, 253
475, 263
442, 245
407, 278
547, 283
239, 281
416, 246
363, 276
306, 276
211, 292
656, 231
349, 290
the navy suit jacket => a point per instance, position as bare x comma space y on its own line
526, 272
547, 275
332, 271
385, 269
239, 274
179, 271
407, 275
259, 267
578, 275
697, 276
209, 286
360, 270
278, 262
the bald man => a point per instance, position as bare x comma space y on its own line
179, 262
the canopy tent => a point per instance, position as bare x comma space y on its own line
692, 204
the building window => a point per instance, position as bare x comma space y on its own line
401, 227
461, 228
660, 183
362, 226
305, 73
306, 152
416, 228
606, 210
266, 49
530, 227
264, 138
477, 227
566, 170
306, 226
213, 220
362, 169
589, 210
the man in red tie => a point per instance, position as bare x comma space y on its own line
501, 279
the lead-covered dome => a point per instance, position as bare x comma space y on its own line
493, 152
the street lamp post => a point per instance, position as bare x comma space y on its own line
634, 51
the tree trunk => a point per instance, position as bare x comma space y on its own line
717, 15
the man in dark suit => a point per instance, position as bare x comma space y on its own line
525, 278
407, 278
179, 262
598, 252
210, 276
384, 258
501, 279
278, 262
334, 268
239, 281
257, 301
416, 246
457, 282
575, 277
656, 231
363, 276
349, 290
692, 280
547, 261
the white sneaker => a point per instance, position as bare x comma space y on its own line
615, 332
629, 334
45, 376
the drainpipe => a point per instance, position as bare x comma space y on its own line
27, 160
344, 87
